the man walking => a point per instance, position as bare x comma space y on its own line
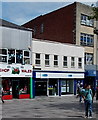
87, 95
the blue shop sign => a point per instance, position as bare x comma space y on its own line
91, 73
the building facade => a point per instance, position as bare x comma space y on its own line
70, 24
57, 67
15, 61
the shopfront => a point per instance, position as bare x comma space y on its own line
56, 83
16, 81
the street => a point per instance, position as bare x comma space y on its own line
45, 107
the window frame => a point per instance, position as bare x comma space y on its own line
65, 61
79, 62
56, 60
72, 62
47, 60
38, 59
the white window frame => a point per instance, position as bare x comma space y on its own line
56, 61
73, 62
85, 38
47, 60
89, 58
27, 57
79, 63
65, 61
4, 55
38, 59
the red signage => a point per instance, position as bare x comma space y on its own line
27, 71
4, 70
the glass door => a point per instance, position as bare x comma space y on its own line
53, 87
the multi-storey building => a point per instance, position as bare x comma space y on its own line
15, 61
57, 67
70, 24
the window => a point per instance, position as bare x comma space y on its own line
11, 56
86, 21
72, 62
46, 60
19, 56
26, 57
88, 58
42, 28
37, 59
3, 55
64, 61
86, 39
79, 62
55, 60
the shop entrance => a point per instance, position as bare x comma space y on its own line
40, 88
15, 88
53, 87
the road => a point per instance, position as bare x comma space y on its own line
46, 107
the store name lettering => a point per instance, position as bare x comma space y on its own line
27, 71
4, 70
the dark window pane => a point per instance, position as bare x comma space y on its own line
26, 53
38, 55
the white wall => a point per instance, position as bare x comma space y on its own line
15, 38
55, 48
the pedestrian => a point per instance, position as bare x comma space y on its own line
80, 87
2, 95
97, 92
87, 95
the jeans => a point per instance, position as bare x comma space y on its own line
80, 98
88, 108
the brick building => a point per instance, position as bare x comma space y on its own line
70, 24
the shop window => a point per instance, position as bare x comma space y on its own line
11, 56
3, 55
72, 62
47, 60
37, 59
26, 57
64, 61
79, 62
88, 58
19, 56
55, 60
24, 86
6, 87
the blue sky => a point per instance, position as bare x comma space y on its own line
21, 12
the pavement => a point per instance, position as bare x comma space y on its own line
43, 107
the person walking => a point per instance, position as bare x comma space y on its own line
2, 95
87, 95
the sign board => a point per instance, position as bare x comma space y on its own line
59, 75
15, 70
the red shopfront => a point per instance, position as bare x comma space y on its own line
16, 81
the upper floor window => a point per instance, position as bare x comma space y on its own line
11, 56
88, 58
55, 60
37, 59
72, 62
86, 39
79, 62
86, 21
26, 57
42, 28
14, 56
3, 55
64, 61
47, 60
